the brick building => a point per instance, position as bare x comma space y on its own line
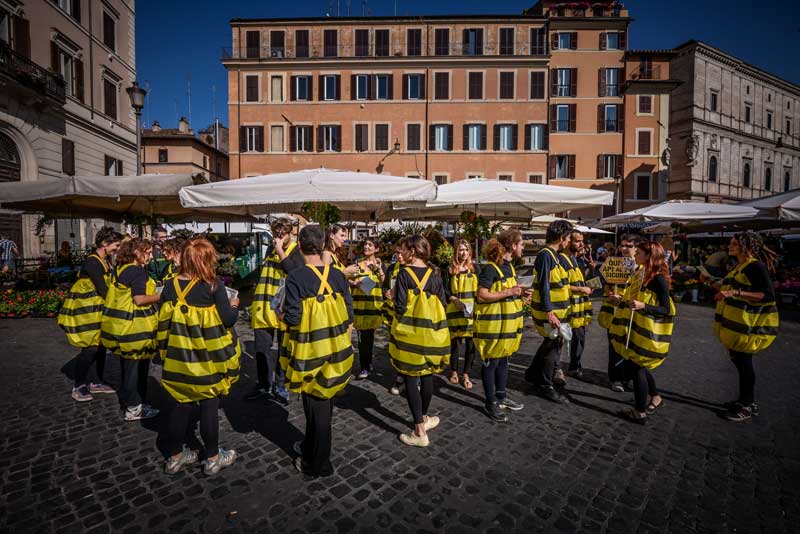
179, 150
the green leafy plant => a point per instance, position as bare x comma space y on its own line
321, 212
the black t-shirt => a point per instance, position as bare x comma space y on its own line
404, 283
488, 275
303, 283
387, 281
543, 264
135, 277
758, 275
293, 261
202, 296
93, 269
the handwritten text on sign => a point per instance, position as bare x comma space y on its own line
617, 270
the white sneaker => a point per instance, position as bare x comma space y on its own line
224, 459
414, 440
431, 423
136, 413
81, 394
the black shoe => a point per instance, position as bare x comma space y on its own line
258, 394
575, 373
738, 413
549, 393
732, 405
494, 413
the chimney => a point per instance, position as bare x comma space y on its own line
183, 125
156, 127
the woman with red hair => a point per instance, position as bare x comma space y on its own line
641, 330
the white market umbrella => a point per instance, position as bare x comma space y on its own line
509, 201
541, 222
683, 211
782, 207
358, 195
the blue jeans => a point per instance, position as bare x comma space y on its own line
494, 374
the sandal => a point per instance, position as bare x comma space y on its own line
454, 377
467, 382
633, 416
651, 408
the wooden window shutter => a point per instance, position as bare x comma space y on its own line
292, 88
619, 165
571, 166
259, 139
450, 137
572, 116
546, 138
320, 139
602, 40
514, 136
390, 87
68, 157
620, 117
405, 86
54, 57
309, 133
496, 137
601, 82
242, 139
310, 88
551, 167
527, 137
431, 137
553, 82
292, 138
623, 40
553, 41
119, 168
600, 166
372, 83
79, 88
338, 87
553, 118
359, 138
22, 36
423, 82
643, 143
479, 42
621, 76
353, 86
337, 140
601, 118
465, 137
573, 82
321, 89
573, 40
464, 41
483, 137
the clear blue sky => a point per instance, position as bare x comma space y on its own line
180, 40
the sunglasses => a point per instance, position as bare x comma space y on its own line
626, 246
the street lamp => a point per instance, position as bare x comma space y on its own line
394, 150
137, 94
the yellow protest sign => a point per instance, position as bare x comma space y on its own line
617, 270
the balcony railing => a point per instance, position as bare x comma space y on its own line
647, 72
31, 75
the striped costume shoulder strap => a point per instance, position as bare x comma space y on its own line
323, 278
552, 254
569, 260
101, 260
291, 247
420, 283
498, 269
182, 293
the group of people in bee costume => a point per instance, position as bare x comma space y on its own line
306, 304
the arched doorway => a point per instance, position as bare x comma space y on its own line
10, 225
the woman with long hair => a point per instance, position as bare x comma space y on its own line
367, 306
419, 344
335, 237
200, 353
746, 317
461, 287
497, 329
641, 330
129, 324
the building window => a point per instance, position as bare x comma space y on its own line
71, 7
362, 87
163, 155
331, 44
330, 88
441, 179
66, 67
414, 89
414, 42
381, 137
67, 157
474, 137
251, 88
507, 85
506, 41
609, 165
645, 104
505, 177
536, 133
787, 181
537, 85
276, 83
473, 42
277, 43
562, 118
440, 132
643, 142
475, 86
712, 169
301, 139
563, 166
205, 161
747, 89
538, 44
564, 40
253, 44
382, 86
110, 98
769, 98
330, 139
276, 138
362, 43
113, 166
746, 174
643, 187
610, 117
109, 31
747, 113
382, 43
302, 89
612, 41
413, 137
301, 48
362, 138
535, 179
610, 83
506, 132
768, 179
441, 85
442, 42
598, 12
253, 139
769, 120
563, 82
713, 103
788, 126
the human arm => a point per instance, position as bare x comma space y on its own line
138, 283
96, 273
659, 286
400, 292
292, 304
228, 309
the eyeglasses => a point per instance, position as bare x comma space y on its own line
626, 246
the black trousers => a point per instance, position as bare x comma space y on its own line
644, 384
316, 446
180, 429
419, 392
494, 374
615, 371
462, 347
576, 345
540, 372
267, 369
366, 343
133, 382
83, 362
747, 376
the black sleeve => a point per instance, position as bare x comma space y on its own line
293, 261
401, 292
446, 281
437, 288
226, 312
168, 293
293, 304
543, 265
387, 280
758, 275
488, 276
340, 285
96, 273
137, 280
658, 285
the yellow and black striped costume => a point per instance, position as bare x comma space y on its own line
650, 335
464, 287
580, 305
367, 307
201, 356
497, 328
318, 358
559, 295
170, 273
741, 325
388, 304
82, 311
419, 343
272, 276
128, 330
607, 308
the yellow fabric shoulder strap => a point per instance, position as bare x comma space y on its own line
101, 260
497, 268
323, 278
420, 283
291, 247
569, 260
550, 251
182, 293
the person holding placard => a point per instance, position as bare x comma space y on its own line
461, 286
367, 303
580, 305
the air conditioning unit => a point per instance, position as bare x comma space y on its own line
276, 53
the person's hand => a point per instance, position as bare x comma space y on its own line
724, 294
514, 291
586, 290
460, 305
527, 293
234, 302
388, 295
351, 270
280, 240
553, 320
614, 298
637, 305
355, 282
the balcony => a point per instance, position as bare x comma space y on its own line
646, 72
32, 76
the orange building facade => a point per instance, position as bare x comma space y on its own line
180, 151
538, 97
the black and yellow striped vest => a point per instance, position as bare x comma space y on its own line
126, 329
650, 335
271, 278
464, 287
559, 295
367, 307
580, 305
82, 311
606, 314
171, 272
419, 342
497, 328
388, 304
201, 356
742, 325
318, 358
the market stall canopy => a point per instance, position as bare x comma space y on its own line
358, 195
113, 198
681, 211
508, 201
540, 223
782, 207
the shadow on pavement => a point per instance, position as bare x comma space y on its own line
363, 402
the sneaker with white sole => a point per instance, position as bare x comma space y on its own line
414, 440
99, 389
508, 404
224, 459
81, 394
141, 411
431, 423
176, 463
397, 388
363, 374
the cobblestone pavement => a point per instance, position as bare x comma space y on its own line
69, 467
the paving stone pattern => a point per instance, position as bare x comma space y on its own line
78, 468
